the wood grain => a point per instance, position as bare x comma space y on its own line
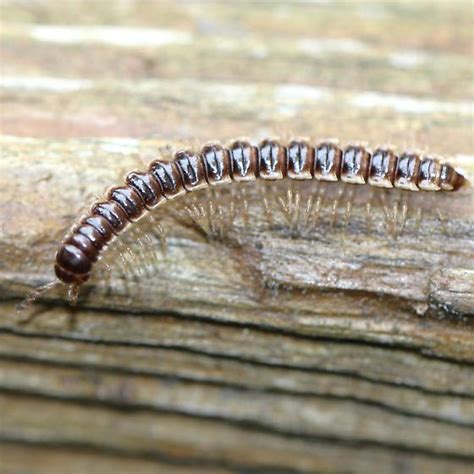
270, 347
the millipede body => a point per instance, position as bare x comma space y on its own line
240, 162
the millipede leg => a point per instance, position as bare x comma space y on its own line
266, 207
145, 261
195, 211
160, 231
335, 205
72, 294
285, 206
245, 208
418, 218
442, 220
34, 294
220, 222
166, 152
395, 217
297, 212
404, 214
213, 214
368, 211
231, 215
348, 210
210, 218
388, 216
127, 259
316, 208
308, 210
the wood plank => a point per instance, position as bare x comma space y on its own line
265, 338
316, 416
191, 365
44, 459
145, 434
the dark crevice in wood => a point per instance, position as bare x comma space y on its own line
243, 360
146, 455
269, 391
421, 351
238, 387
253, 425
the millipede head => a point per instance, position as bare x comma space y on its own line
72, 264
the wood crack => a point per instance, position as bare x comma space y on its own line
240, 359
263, 428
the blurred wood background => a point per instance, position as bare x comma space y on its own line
282, 353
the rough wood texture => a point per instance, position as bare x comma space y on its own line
333, 348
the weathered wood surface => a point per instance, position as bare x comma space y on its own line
334, 350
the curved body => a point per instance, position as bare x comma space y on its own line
241, 161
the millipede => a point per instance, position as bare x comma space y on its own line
242, 161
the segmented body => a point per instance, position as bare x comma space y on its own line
241, 161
